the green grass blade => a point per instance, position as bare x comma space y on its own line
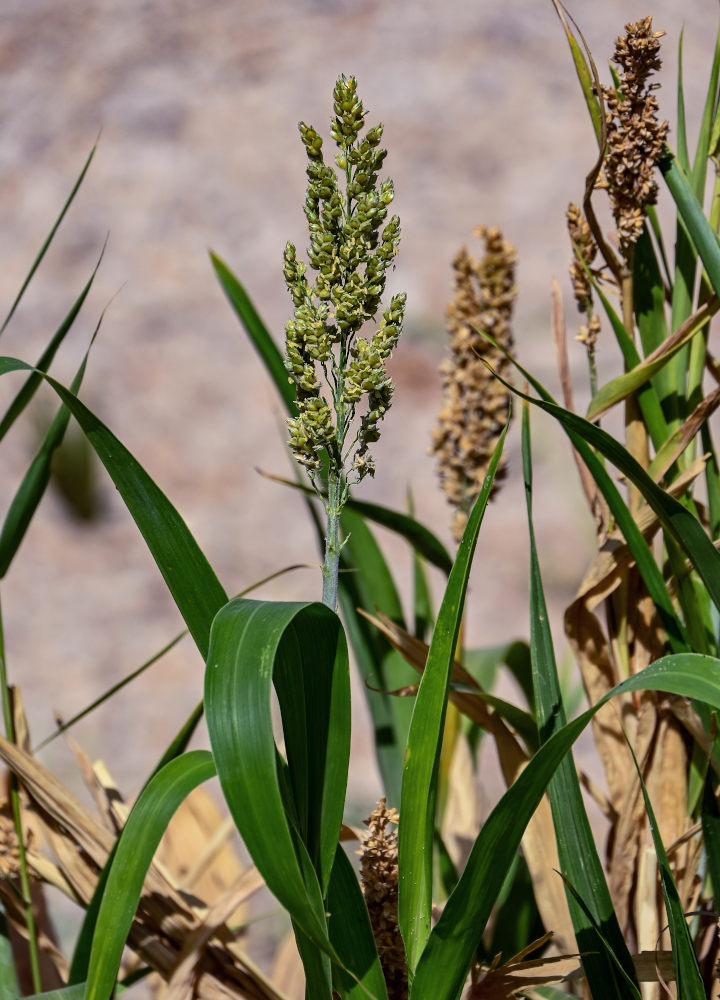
711, 837
371, 586
138, 842
419, 788
49, 239
584, 75
646, 396
687, 971
641, 551
699, 229
257, 331
190, 579
351, 935
290, 822
421, 538
683, 153
64, 993
442, 969
9, 987
674, 518
578, 855
33, 381
699, 168
65, 726
622, 386
32, 488
375, 581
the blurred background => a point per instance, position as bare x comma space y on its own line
198, 103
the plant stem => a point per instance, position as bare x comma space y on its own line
332, 538
17, 817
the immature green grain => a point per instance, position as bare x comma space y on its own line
335, 370
635, 138
379, 877
476, 405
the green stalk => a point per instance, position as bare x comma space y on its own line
332, 539
17, 817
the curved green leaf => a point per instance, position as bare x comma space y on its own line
690, 210
289, 816
622, 386
442, 969
190, 578
257, 331
138, 842
419, 788
687, 971
26, 393
577, 852
49, 238
351, 935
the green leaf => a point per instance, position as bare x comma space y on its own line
578, 855
674, 518
624, 385
138, 842
32, 488
690, 210
584, 75
699, 169
366, 582
421, 538
289, 818
576, 429
257, 331
190, 579
683, 154
75, 992
49, 239
9, 987
351, 935
441, 971
26, 393
687, 971
711, 837
419, 789
646, 396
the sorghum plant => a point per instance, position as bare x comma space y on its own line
351, 248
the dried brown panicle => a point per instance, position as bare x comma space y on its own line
475, 405
379, 877
636, 139
584, 253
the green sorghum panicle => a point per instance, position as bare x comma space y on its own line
352, 244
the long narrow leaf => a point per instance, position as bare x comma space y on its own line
419, 789
698, 227
257, 331
301, 648
190, 579
26, 393
138, 842
576, 846
687, 971
49, 238
351, 935
451, 946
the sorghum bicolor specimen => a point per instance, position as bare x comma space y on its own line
352, 245
475, 404
635, 138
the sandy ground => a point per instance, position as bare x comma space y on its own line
198, 103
